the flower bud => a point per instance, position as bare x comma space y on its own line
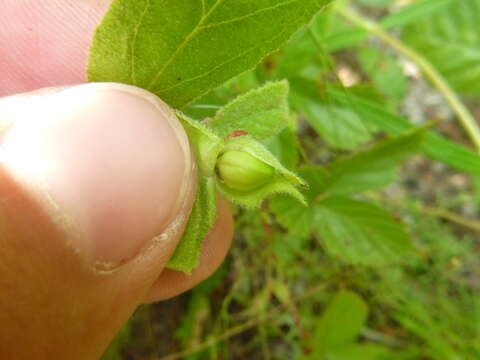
243, 172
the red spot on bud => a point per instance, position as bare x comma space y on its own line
236, 133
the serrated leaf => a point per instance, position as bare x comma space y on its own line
435, 146
340, 324
283, 180
361, 233
202, 217
206, 145
181, 49
292, 215
295, 217
450, 40
263, 112
339, 126
373, 168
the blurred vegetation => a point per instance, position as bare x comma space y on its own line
385, 262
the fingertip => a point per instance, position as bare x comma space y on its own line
47, 44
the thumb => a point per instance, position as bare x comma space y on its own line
96, 183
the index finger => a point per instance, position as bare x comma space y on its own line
45, 44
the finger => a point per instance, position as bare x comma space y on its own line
96, 183
171, 283
45, 43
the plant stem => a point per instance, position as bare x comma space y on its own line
452, 217
466, 118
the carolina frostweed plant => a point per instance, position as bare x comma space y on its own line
236, 164
180, 50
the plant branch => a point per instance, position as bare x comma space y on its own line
452, 217
466, 118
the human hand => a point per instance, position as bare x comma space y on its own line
96, 182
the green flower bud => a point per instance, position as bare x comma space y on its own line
243, 172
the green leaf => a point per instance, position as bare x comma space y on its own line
179, 50
291, 59
201, 220
375, 167
351, 233
263, 112
205, 143
361, 233
295, 217
282, 181
435, 146
385, 72
340, 324
450, 40
339, 126
284, 147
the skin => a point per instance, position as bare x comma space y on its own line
56, 300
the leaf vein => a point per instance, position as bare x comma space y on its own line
214, 68
206, 73
256, 12
134, 41
185, 41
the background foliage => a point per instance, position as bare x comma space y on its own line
384, 263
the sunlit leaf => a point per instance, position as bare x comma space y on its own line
263, 111
181, 49
373, 168
340, 324
361, 233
